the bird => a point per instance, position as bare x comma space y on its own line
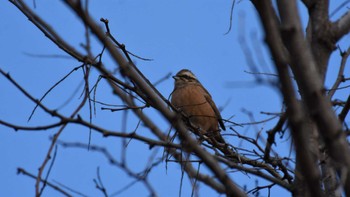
194, 101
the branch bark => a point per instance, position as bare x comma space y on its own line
128, 71
319, 107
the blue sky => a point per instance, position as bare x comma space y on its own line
176, 34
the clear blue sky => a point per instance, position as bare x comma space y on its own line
176, 34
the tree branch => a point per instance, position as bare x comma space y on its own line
341, 27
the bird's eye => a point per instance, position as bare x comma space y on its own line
186, 77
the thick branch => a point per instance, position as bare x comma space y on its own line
127, 70
311, 86
341, 27
295, 111
320, 35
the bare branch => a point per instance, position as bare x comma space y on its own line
23, 171
340, 77
158, 103
341, 27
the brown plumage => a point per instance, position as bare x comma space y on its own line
191, 98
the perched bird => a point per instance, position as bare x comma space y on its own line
191, 98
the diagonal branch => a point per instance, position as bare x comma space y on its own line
341, 27
295, 112
311, 87
158, 103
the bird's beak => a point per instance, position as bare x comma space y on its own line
175, 77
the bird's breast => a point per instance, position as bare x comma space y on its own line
192, 102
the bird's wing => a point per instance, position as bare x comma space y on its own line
217, 113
